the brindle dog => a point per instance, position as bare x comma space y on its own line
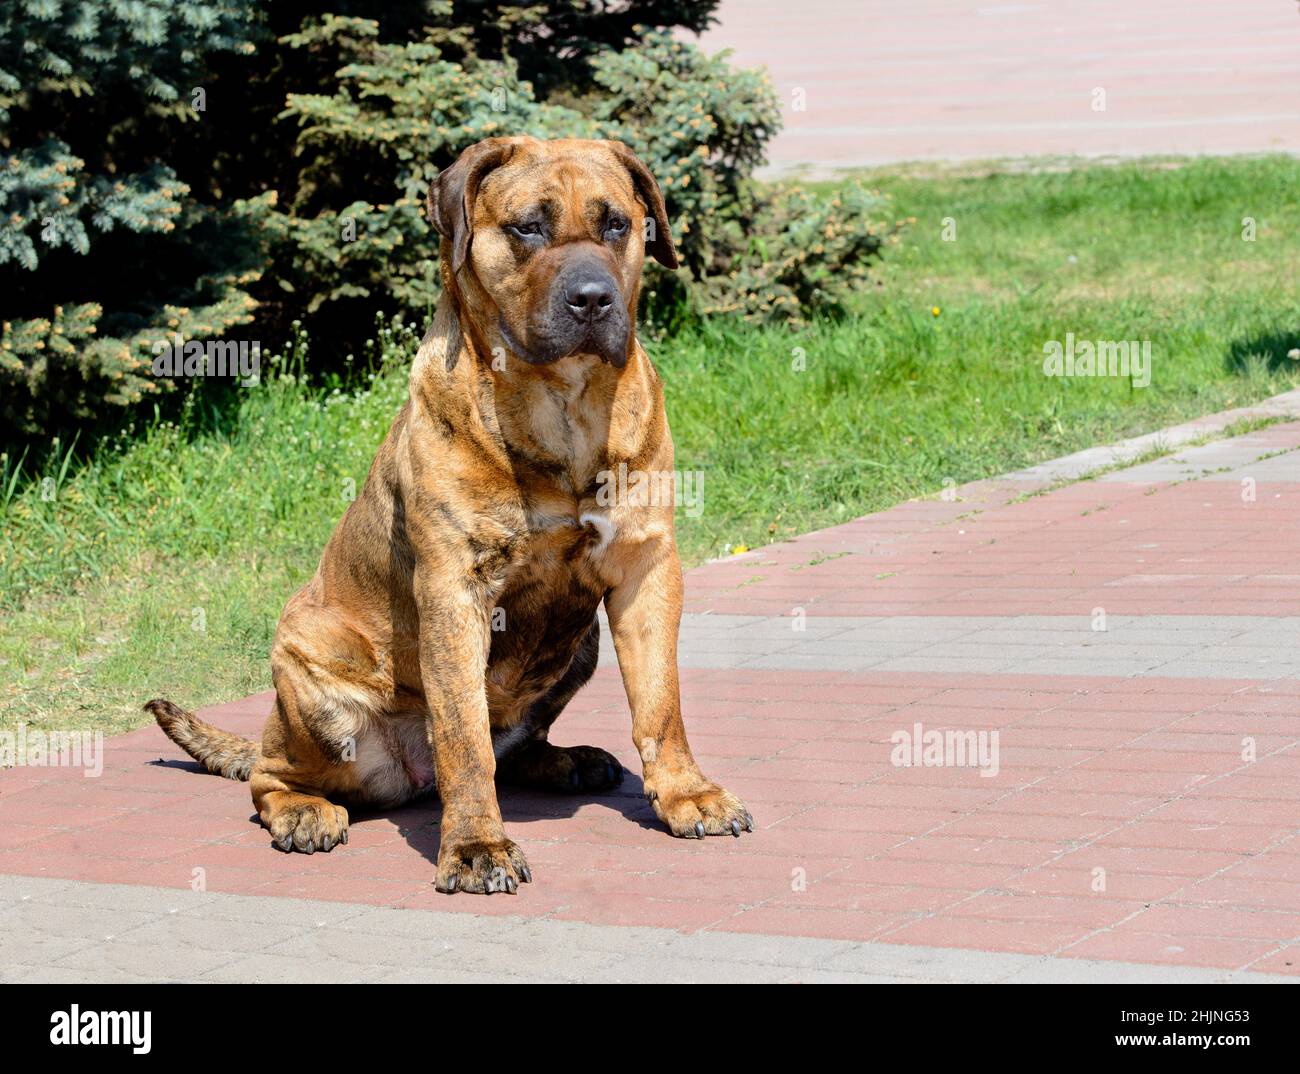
453, 614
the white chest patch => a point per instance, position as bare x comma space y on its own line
603, 525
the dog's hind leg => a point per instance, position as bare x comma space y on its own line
302, 822
312, 744
536, 763
288, 785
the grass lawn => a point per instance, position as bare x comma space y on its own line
160, 566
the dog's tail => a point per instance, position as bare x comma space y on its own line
220, 752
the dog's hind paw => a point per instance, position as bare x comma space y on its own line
567, 769
307, 825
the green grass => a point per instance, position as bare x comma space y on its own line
160, 565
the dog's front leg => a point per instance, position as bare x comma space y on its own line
474, 853
645, 611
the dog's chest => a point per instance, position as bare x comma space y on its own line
565, 562
579, 535
578, 542
545, 609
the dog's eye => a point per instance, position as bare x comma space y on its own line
615, 227
528, 229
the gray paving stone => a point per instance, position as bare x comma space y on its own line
619, 939
707, 620
542, 962
734, 647
1064, 645
446, 974
1079, 971
932, 628
933, 964
500, 949
1250, 654
104, 960
1117, 647
37, 948
119, 897
806, 662
1196, 668
787, 628
291, 913
1282, 637
63, 919
971, 664
25, 887
838, 649
389, 921
1083, 462
60, 975
1278, 468
844, 977
1120, 669
999, 635
1225, 460
984, 651
279, 969
669, 970
338, 944
220, 934
750, 947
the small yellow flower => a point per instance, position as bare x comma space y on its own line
736, 549
934, 310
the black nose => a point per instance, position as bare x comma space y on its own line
590, 298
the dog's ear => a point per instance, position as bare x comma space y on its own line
452, 194
659, 244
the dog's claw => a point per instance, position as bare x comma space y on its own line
735, 828
344, 837
327, 844
526, 875
286, 844
699, 829
749, 823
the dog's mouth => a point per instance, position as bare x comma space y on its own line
595, 339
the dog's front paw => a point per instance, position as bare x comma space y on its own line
482, 868
701, 808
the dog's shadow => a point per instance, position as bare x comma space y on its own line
1264, 352
179, 766
419, 821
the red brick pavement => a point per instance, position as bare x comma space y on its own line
864, 82
1142, 778
1191, 548
1138, 777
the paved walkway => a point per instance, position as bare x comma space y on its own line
868, 82
1118, 655
69, 932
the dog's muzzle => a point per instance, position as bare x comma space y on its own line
584, 314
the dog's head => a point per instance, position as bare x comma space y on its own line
546, 239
